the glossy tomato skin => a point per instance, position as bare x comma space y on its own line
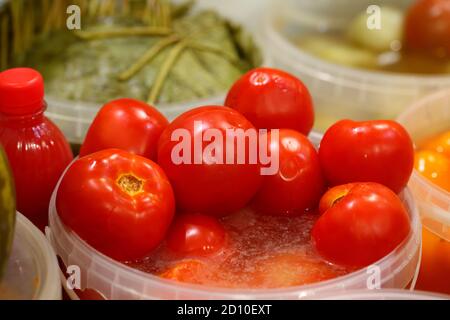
427, 27
121, 204
298, 184
208, 188
273, 99
125, 124
196, 235
361, 227
368, 151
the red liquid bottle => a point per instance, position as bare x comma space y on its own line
36, 149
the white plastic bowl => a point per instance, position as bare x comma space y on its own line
32, 271
425, 119
114, 280
339, 91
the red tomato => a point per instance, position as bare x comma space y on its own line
126, 124
427, 27
298, 184
361, 227
196, 235
119, 203
209, 187
368, 151
273, 99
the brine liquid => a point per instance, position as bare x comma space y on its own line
336, 48
261, 252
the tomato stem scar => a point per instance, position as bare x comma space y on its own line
130, 184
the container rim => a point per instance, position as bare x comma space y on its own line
49, 285
412, 241
385, 294
349, 76
440, 193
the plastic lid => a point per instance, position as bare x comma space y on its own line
21, 91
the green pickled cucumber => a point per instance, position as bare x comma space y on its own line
380, 30
339, 52
7, 211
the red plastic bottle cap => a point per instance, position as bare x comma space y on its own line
21, 91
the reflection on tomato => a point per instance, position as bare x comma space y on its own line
367, 151
196, 235
208, 187
427, 27
298, 184
273, 99
435, 167
119, 203
360, 227
125, 124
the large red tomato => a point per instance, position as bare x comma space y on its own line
427, 27
360, 224
196, 235
368, 151
119, 203
298, 183
125, 124
203, 180
273, 99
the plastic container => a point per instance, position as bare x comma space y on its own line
75, 117
32, 271
114, 280
339, 91
385, 295
426, 118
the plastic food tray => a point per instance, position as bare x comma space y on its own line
339, 91
114, 280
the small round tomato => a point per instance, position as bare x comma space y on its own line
120, 203
206, 178
298, 183
273, 99
196, 235
360, 227
427, 27
125, 124
440, 144
367, 151
435, 167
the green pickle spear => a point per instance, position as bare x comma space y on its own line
7, 211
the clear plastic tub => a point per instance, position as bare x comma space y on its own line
385, 295
75, 117
425, 119
339, 91
114, 280
32, 271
